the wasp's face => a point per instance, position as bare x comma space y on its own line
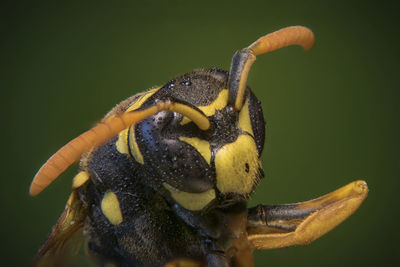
200, 167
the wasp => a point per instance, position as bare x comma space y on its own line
165, 177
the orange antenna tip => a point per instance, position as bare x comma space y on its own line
294, 35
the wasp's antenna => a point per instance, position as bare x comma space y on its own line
105, 130
244, 59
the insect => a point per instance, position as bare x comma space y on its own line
165, 177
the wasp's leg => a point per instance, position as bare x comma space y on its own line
223, 234
301, 223
215, 255
210, 231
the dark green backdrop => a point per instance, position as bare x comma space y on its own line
332, 113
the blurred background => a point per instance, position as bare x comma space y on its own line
332, 113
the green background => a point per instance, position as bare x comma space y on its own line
332, 113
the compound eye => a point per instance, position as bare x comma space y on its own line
180, 162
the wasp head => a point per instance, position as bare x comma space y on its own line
199, 167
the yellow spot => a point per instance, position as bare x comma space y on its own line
80, 179
237, 166
191, 201
110, 208
209, 110
122, 142
244, 118
134, 146
202, 146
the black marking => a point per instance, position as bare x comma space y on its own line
128, 141
247, 167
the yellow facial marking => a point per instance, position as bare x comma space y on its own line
134, 146
202, 146
217, 104
110, 208
122, 142
191, 201
237, 166
244, 118
80, 179
123, 147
